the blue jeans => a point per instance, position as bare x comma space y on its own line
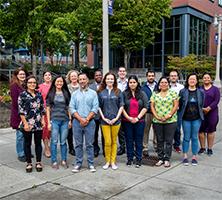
190, 131
19, 143
59, 130
89, 132
134, 135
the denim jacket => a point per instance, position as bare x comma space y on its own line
184, 95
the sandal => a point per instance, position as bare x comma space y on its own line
28, 168
166, 164
55, 165
38, 167
64, 164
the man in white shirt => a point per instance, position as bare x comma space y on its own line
175, 86
122, 85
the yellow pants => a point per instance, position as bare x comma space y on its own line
110, 134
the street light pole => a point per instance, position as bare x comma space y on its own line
217, 22
105, 37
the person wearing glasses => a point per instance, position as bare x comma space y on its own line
31, 110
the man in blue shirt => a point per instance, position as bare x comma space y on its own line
83, 107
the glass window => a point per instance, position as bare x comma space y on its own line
220, 2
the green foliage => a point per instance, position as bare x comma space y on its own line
4, 93
192, 63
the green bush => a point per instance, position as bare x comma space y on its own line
4, 93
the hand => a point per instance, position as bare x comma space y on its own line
134, 120
83, 122
26, 127
70, 123
113, 121
43, 122
107, 121
206, 110
49, 126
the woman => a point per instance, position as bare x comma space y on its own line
164, 105
191, 112
17, 87
72, 79
135, 107
110, 109
211, 117
31, 111
43, 89
59, 119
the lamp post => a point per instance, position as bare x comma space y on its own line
105, 37
217, 23
72, 47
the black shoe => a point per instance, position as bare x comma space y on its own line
121, 152
22, 159
138, 163
129, 163
72, 152
209, 152
145, 153
201, 151
96, 154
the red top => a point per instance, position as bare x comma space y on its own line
134, 107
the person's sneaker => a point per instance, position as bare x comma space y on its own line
185, 162
177, 149
209, 152
201, 151
138, 163
194, 162
76, 169
106, 166
55, 165
167, 163
121, 151
114, 166
129, 163
92, 169
159, 163
22, 159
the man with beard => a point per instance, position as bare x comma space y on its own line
98, 76
148, 88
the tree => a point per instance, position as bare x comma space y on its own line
135, 23
192, 63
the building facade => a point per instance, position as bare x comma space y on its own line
189, 30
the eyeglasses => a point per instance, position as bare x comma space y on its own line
31, 82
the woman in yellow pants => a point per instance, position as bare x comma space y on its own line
110, 108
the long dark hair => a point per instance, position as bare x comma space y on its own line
158, 84
137, 91
192, 74
103, 84
51, 94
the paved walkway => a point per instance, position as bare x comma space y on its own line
177, 182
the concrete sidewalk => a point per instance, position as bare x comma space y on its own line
200, 182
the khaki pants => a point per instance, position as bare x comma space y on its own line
148, 123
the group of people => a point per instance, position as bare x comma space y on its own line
73, 110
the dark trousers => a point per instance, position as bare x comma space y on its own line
70, 139
95, 143
121, 137
165, 134
177, 133
134, 135
28, 143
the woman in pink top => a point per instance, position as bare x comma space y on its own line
44, 88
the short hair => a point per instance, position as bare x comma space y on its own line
192, 74
174, 70
151, 72
27, 79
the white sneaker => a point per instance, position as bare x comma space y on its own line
106, 166
76, 169
114, 166
92, 169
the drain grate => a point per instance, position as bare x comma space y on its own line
150, 160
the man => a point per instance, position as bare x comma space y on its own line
175, 86
148, 88
98, 76
83, 107
122, 85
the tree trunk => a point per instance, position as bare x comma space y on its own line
127, 55
77, 54
34, 64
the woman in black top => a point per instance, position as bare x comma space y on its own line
135, 107
31, 111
